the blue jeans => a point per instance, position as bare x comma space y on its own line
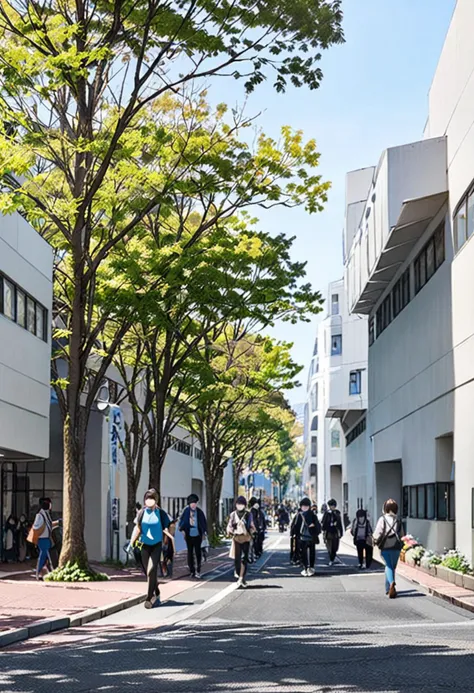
44, 546
390, 556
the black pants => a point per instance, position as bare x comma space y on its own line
332, 544
369, 552
241, 558
258, 543
194, 547
308, 551
151, 555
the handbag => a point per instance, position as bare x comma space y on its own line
205, 542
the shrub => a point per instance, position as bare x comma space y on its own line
73, 572
417, 552
430, 559
455, 560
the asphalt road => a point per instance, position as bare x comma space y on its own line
336, 631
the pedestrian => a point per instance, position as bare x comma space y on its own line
241, 528
151, 527
22, 529
387, 538
363, 538
193, 525
258, 518
11, 540
307, 528
283, 518
41, 534
333, 531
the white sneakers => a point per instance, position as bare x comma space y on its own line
197, 576
241, 584
308, 572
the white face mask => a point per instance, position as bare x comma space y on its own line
239, 506
150, 502
305, 508
256, 506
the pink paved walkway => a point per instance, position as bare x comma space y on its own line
24, 601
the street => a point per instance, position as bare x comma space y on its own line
335, 631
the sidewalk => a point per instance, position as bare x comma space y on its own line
457, 596
29, 608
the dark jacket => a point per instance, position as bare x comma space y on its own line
311, 519
185, 524
332, 523
258, 519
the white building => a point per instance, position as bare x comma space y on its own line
337, 387
26, 266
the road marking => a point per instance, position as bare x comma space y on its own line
440, 625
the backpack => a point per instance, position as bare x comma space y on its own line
241, 532
391, 538
305, 533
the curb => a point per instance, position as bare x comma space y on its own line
51, 625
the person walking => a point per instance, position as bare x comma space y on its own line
241, 528
258, 518
151, 528
41, 534
193, 525
362, 533
387, 537
307, 527
333, 531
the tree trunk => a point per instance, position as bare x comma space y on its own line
236, 475
74, 545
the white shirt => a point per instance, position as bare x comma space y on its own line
40, 520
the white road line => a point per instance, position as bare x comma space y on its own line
439, 625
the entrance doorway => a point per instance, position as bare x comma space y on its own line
388, 483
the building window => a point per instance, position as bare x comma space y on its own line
314, 446
429, 501
460, 226
30, 315
315, 348
430, 259
20, 308
335, 304
355, 383
336, 344
313, 469
314, 423
40, 322
335, 439
198, 453
371, 330
470, 214
8, 299
357, 431
314, 397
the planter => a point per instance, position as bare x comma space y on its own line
442, 572
449, 575
468, 582
433, 570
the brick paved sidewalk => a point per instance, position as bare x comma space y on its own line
24, 601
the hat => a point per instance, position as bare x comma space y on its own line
332, 503
305, 501
253, 500
193, 498
242, 500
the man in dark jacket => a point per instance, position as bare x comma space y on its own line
193, 524
305, 531
259, 522
333, 530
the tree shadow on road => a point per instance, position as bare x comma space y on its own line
267, 659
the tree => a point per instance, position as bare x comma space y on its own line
77, 79
246, 378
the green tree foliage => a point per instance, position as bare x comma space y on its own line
84, 153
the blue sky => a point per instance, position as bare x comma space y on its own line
374, 95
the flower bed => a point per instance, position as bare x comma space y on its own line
452, 566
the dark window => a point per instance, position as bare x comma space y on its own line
198, 453
313, 469
315, 348
336, 344
371, 330
397, 298
314, 423
470, 214
314, 446
335, 304
355, 384
430, 502
421, 509
430, 259
405, 288
357, 431
439, 245
413, 502
406, 501
441, 502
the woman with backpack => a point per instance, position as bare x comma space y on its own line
307, 528
362, 532
241, 528
151, 530
387, 538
